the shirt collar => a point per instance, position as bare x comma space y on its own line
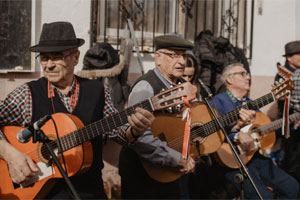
71, 90
288, 66
234, 98
166, 82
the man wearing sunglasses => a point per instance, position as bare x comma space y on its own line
170, 61
60, 91
262, 169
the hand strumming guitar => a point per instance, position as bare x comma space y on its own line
246, 141
21, 167
186, 165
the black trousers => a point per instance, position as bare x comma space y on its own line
137, 184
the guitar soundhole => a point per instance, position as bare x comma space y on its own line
197, 133
43, 152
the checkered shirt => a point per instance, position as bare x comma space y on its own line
16, 109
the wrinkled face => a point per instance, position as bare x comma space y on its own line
239, 78
170, 63
58, 67
294, 60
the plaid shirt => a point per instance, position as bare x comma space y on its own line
295, 96
16, 109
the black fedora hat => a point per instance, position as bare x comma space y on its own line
292, 48
57, 36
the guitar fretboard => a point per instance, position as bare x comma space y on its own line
227, 119
99, 127
267, 128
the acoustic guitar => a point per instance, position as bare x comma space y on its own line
284, 72
75, 143
205, 134
264, 137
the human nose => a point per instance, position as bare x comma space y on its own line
49, 62
182, 59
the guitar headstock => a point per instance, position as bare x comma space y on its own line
284, 72
283, 89
173, 96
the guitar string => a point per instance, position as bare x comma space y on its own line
83, 134
100, 123
210, 127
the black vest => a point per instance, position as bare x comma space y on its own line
89, 109
129, 162
153, 80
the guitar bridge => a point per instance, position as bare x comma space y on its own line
45, 171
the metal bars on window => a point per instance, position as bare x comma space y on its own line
232, 19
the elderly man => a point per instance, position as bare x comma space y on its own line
170, 60
262, 170
292, 63
60, 91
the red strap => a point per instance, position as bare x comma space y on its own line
285, 121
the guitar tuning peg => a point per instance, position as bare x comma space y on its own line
179, 83
170, 109
171, 86
162, 89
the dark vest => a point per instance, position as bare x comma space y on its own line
89, 109
129, 161
153, 80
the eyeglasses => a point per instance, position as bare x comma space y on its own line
244, 74
174, 55
54, 58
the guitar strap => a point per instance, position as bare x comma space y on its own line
285, 120
187, 129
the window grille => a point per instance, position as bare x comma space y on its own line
232, 19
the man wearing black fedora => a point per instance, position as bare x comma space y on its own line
60, 91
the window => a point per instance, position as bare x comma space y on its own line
15, 35
229, 18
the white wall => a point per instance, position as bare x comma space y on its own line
273, 28
75, 11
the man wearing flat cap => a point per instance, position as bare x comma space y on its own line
170, 60
60, 91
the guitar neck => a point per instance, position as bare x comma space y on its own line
233, 116
99, 127
227, 119
267, 128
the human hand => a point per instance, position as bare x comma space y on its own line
246, 141
21, 167
186, 165
140, 121
246, 117
297, 124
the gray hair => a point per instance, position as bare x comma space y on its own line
228, 71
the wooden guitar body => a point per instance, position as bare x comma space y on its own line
225, 156
75, 142
77, 159
170, 128
201, 143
